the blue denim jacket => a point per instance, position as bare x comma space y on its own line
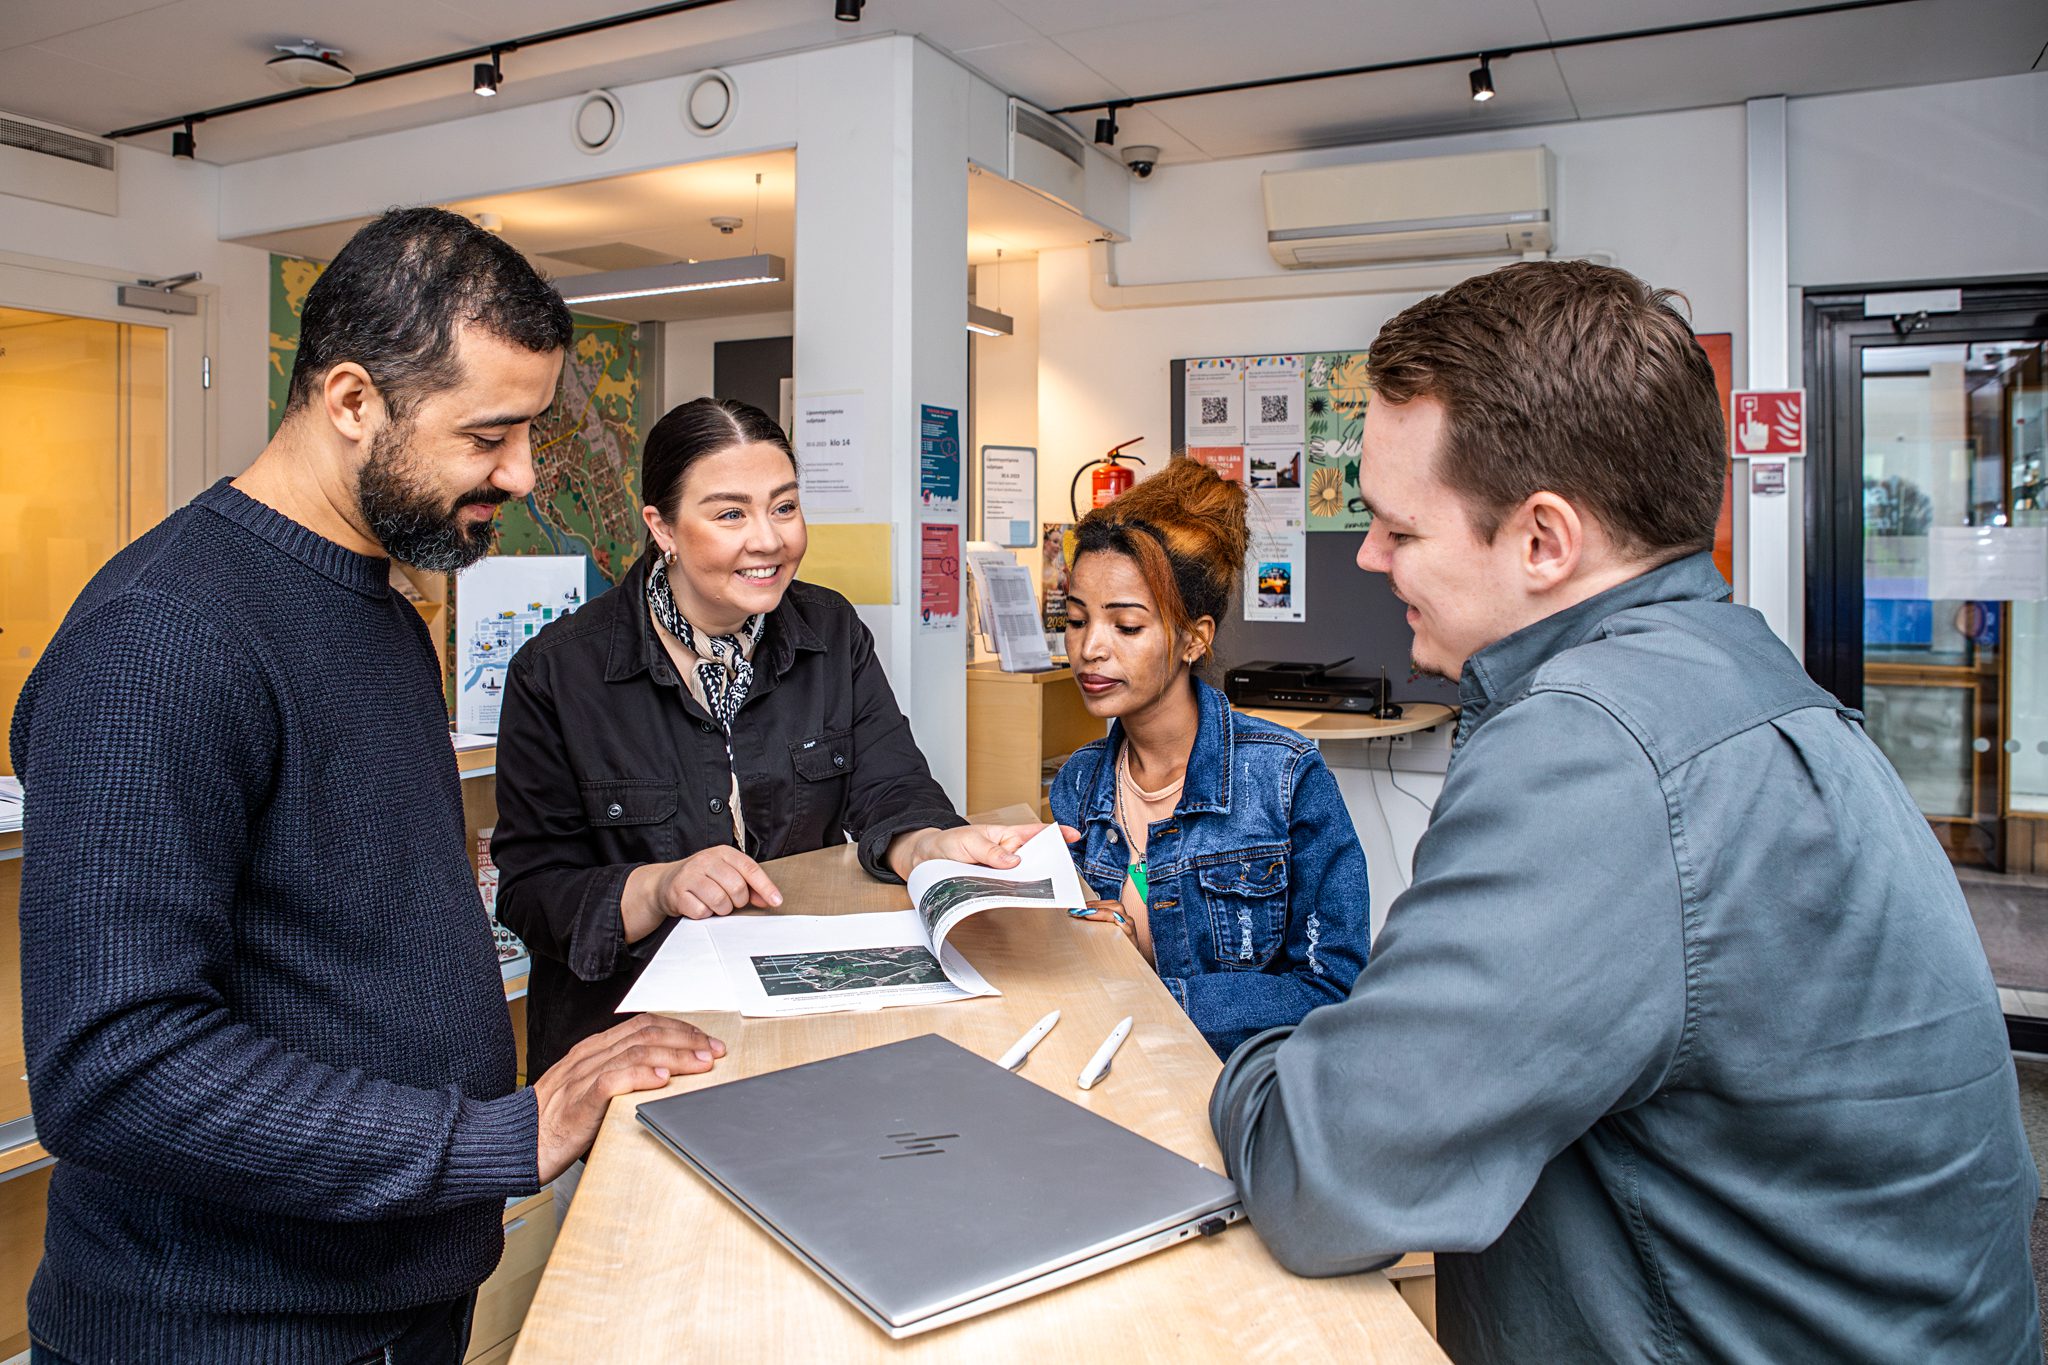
1259, 902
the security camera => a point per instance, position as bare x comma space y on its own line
1141, 159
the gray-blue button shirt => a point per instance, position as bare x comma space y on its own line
1680, 1047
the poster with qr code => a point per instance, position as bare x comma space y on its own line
1273, 400
1215, 402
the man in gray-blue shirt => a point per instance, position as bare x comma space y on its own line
1681, 1046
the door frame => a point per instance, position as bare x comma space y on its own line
191, 421
1836, 335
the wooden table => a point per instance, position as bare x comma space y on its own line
1328, 725
653, 1266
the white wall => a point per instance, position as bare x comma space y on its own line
1663, 192
686, 350
1933, 182
167, 227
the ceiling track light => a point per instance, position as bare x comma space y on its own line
487, 76
183, 146
847, 11
1482, 80
1105, 128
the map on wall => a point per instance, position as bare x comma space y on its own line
586, 496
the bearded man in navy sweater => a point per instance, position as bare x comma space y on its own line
267, 1040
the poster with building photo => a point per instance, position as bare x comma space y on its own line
1276, 561
1277, 468
1215, 402
1335, 395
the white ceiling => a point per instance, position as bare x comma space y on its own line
96, 65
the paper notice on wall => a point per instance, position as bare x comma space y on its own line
1227, 461
831, 459
1988, 563
1009, 495
939, 577
501, 602
1215, 402
1273, 400
1276, 564
1056, 557
938, 458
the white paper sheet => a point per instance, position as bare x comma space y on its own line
1988, 563
1276, 564
1215, 402
831, 451
1273, 400
1009, 495
1008, 609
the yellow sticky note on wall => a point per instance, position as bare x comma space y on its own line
852, 559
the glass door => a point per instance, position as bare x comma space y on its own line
1927, 586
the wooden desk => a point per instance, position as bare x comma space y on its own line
652, 1266
1327, 725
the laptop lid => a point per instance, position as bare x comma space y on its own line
917, 1176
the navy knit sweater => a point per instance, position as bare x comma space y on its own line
267, 1039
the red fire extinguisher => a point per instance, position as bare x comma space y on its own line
1108, 480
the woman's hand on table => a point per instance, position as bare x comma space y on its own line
640, 1054
982, 845
1110, 912
716, 881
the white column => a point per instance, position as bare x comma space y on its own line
881, 308
1772, 522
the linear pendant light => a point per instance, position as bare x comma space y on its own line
681, 278
989, 323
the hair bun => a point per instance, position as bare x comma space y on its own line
1200, 514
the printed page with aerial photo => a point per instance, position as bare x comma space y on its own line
779, 964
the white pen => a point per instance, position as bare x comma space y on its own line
1021, 1049
1098, 1065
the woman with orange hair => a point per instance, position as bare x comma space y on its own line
1218, 843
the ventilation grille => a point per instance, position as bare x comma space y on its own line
1048, 133
34, 138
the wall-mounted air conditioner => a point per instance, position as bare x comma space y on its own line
42, 161
1048, 156
1434, 208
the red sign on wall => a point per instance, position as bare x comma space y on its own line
1768, 422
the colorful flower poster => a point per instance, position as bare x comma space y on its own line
1336, 397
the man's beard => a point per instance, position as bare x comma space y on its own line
410, 523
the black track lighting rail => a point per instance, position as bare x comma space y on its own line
488, 53
1487, 55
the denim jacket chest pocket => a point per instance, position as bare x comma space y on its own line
1245, 895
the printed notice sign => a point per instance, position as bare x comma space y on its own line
831, 458
938, 463
1215, 402
939, 598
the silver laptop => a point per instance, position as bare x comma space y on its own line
928, 1185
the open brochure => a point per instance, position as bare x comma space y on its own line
780, 964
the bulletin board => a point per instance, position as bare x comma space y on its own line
1311, 471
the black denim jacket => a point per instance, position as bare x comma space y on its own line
606, 762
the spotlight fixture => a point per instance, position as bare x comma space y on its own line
647, 281
847, 11
1105, 128
309, 64
182, 144
487, 76
1482, 80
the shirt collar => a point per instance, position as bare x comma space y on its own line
1502, 671
635, 648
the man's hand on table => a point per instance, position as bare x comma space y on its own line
640, 1054
715, 881
982, 845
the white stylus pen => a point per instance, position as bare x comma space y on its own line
1021, 1049
1098, 1065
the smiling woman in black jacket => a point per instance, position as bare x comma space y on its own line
706, 715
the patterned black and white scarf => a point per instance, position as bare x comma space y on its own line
725, 667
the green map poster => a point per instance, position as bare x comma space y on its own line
1337, 395
586, 496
